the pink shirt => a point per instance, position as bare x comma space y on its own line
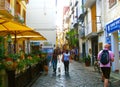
111, 57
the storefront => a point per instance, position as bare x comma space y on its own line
112, 37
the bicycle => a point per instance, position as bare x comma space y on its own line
97, 66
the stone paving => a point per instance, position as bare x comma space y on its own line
78, 76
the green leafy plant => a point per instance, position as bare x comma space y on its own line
2, 49
72, 38
87, 58
21, 64
14, 56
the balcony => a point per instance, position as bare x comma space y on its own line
19, 18
91, 29
5, 8
89, 3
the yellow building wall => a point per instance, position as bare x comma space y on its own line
93, 18
23, 6
12, 3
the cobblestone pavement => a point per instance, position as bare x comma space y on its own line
78, 76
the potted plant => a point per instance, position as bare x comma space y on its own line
11, 61
87, 60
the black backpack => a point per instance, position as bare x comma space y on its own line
104, 58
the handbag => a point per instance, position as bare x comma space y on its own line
62, 58
50, 64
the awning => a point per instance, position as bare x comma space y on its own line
12, 25
36, 38
9, 27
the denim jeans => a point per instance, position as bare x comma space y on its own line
54, 63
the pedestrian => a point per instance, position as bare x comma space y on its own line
106, 68
76, 53
65, 60
54, 60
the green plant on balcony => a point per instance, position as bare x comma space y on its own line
71, 37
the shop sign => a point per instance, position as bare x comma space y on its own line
113, 26
35, 43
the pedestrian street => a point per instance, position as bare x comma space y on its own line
79, 76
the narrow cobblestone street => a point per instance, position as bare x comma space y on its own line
79, 76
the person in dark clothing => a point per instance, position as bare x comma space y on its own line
54, 60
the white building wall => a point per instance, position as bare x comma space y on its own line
41, 16
79, 7
88, 23
112, 14
115, 50
98, 14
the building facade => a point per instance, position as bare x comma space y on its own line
14, 10
97, 24
42, 18
112, 27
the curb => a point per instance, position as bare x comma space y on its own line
116, 76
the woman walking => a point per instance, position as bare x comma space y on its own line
66, 59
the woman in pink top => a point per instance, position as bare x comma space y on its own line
106, 69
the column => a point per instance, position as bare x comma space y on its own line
115, 50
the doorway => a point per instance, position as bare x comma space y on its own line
94, 46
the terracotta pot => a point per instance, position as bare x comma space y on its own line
87, 63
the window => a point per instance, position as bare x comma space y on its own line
112, 3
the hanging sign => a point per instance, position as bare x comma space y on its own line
113, 26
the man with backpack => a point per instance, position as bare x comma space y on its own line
105, 57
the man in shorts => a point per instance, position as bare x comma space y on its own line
106, 69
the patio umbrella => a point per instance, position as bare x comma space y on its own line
30, 38
15, 29
35, 38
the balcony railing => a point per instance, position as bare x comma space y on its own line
5, 8
19, 18
4, 5
91, 29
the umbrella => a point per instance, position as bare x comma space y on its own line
36, 38
32, 38
15, 29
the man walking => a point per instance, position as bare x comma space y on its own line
55, 59
105, 66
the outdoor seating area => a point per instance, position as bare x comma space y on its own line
21, 71
19, 65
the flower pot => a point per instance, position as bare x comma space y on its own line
87, 63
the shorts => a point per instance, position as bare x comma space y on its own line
106, 72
